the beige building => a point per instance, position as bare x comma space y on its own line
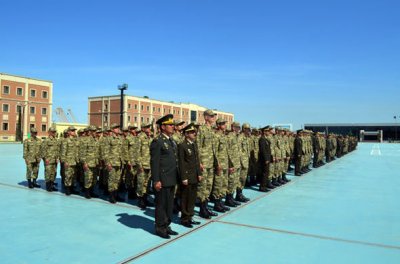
105, 110
26, 97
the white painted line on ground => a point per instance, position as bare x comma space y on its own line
376, 151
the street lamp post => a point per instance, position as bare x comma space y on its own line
122, 88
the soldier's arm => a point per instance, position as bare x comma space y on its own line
155, 154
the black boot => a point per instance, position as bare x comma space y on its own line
269, 184
275, 183
132, 194
147, 201
142, 203
48, 186
68, 190
112, 198
30, 184
118, 197
210, 212
203, 211
280, 180
229, 201
35, 184
226, 208
87, 193
284, 178
218, 206
240, 197
53, 189
234, 201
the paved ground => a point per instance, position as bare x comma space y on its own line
344, 212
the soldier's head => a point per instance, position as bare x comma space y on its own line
209, 116
133, 129
266, 130
166, 124
115, 129
33, 132
190, 132
179, 125
52, 132
235, 127
71, 131
146, 128
221, 124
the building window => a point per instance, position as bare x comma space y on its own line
19, 91
44, 111
135, 106
159, 110
142, 107
105, 119
193, 116
6, 89
44, 128
44, 94
33, 93
142, 119
31, 125
169, 111
6, 108
5, 126
148, 120
178, 112
105, 107
148, 108
32, 110
129, 106
154, 109
129, 118
135, 118
19, 109
174, 112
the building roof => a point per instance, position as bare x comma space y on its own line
18, 76
353, 125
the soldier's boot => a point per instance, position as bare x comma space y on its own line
253, 180
118, 197
68, 190
281, 181
210, 212
73, 190
269, 184
112, 198
92, 193
147, 201
87, 193
35, 184
226, 208
229, 201
132, 194
177, 207
53, 189
275, 183
203, 211
284, 178
142, 203
234, 201
30, 185
240, 196
106, 192
218, 206
48, 188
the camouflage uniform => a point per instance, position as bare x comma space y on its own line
132, 161
32, 157
113, 159
89, 158
244, 142
69, 155
222, 160
143, 164
234, 150
50, 152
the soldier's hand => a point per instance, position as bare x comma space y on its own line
201, 167
109, 167
185, 182
66, 165
47, 162
219, 170
231, 170
200, 178
141, 170
157, 186
85, 167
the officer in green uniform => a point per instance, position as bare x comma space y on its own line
50, 151
32, 158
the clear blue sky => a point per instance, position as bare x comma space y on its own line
266, 61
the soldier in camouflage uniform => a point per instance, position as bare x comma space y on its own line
205, 143
317, 148
222, 168
89, 158
244, 145
113, 160
287, 154
178, 136
143, 165
132, 161
50, 152
70, 157
63, 137
104, 143
32, 158
280, 156
234, 150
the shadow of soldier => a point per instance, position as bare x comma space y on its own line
151, 212
136, 222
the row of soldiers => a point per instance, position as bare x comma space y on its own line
119, 161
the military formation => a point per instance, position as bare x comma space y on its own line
213, 164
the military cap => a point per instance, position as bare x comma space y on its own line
86, 129
179, 122
246, 125
33, 130
220, 121
125, 129
209, 112
166, 120
114, 125
99, 130
266, 128
65, 131
52, 129
189, 128
71, 128
299, 130
134, 126
92, 128
235, 124
145, 124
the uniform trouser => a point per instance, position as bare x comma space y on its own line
114, 178
70, 175
50, 172
90, 177
131, 177
315, 158
265, 175
164, 202
233, 180
188, 200
297, 164
271, 170
242, 178
286, 166
205, 186
142, 182
62, 171
220, 184
32, 171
